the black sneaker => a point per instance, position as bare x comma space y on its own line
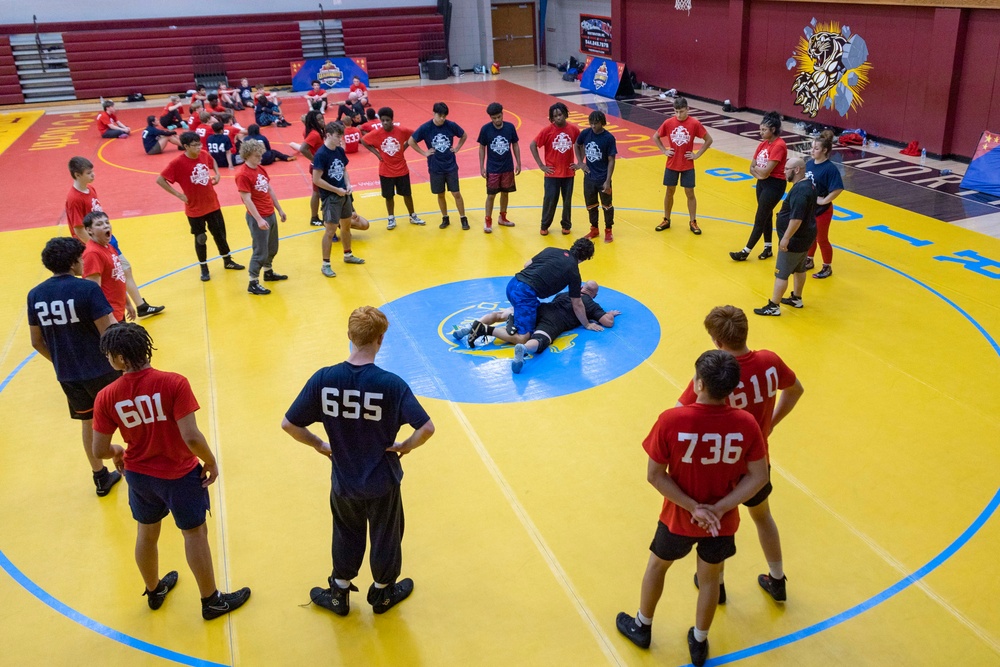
768, 309
205, 275
774, 587
465, 224
155, 598
384, 599
270, 276
739, 256
221, 604
146, 310
510, 326
792, 300
698, 650
335, 598
767, 253
640, 635
722, 589
232, 266
104, 480
256, 288
444, 222
476, 331
316, 222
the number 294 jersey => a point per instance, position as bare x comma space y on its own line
362, 409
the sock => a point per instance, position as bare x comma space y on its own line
380, 586
204, 266
489, 330
700, 635
211, 598
777, 571
746, 250
342, 583
348, 253
767, 244
642, 620
101, 473
326, 262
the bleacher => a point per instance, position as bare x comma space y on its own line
10, 85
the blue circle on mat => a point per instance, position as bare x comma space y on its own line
419, 347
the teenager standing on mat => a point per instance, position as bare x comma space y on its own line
559, 168
826, 177
439, 135
768, 167
388, 142
255, 190
499, 163
329, 177
680, 133
595, 153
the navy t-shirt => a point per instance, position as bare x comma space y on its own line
439, 141
261, 138
150, 135
597, 148
826, 177
332, 163
800, 204
362, 409
218, 145
499, 153
550, 272
65, 307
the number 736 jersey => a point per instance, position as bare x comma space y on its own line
705, 449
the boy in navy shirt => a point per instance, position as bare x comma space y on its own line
329, 174
220, 146
362, 408
66, 317
439, 135
595, 154
499, 162
154, 140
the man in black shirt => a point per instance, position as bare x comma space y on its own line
796, 225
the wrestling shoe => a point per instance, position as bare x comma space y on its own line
444, 222
351, 259
146, 310
809, 264
458, 333
695, 229
663, 226
487, 225
722, 589
593, 233
510, 326
543, 231
774, 587
518, 362
608, 236
384, 599
328, 271
205, 275
825, 272
698, 650
414, 220
316, 222
104, 480
766, 254
270, 276
792, 300
638, 634
768, 309
256, 288
391, 224
739, 255
465, 223
335, 598
503, 221
232, 266
155, 598
221, 604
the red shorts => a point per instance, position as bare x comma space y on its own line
500, 183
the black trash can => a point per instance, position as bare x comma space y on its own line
437, 69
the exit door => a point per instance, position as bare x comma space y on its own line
514, 34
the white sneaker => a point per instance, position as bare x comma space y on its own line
392, 223
414, 220
328, 271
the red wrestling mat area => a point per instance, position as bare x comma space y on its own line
35, 166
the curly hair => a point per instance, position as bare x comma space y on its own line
129, 341
61, 253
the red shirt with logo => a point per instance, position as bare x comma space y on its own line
390, 146
78, 205
145, 406
352, 139
768, 151
104, 261
194, 176
680, 135
705, 449
257, 183
558, 145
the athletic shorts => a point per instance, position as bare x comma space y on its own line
686, 177
525, 303
438, 181
337, 207
712, 550
152, 498
156, 149
500, 183
764, 492
213, 219
80, 394
395, 185
789, 263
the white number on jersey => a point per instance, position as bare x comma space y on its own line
58, 312
738, 399
142, 410
351, 405
721, 448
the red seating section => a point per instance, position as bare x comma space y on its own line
394, 46
10, 85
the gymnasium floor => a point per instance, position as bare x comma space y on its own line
528, 513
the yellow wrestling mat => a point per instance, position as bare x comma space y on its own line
528, 521
14, 124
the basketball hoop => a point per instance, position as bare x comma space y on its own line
683, 5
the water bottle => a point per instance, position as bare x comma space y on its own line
923, 156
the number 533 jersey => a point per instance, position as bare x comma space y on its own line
362, 409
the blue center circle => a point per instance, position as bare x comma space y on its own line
421, 349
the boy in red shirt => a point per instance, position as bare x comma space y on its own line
559, 167
360, 90
680, 132
197, 175
108, 124
388, 142
352, 136
762, 375
154, 411
316, 97
103, 265
254, 187
705, 459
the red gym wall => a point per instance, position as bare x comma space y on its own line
737, 50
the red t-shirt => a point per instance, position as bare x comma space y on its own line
257, 183
103, 260
78, 205
767, 151
195, 178
391, 146
231, 132
104, 120
352, 139
145, 406
706, 449
680, 136
317, 94
359, 87
203, 130
314, 140
193, 122
558, 144
218, 108
762, 374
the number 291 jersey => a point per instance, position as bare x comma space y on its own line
362, 409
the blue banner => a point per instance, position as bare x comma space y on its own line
330, 72
602, 76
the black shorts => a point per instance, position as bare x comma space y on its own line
395, 185
80, 394
712, 550
686, 177
764, 492
152, 498
438, 181
337, 207
209, 220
